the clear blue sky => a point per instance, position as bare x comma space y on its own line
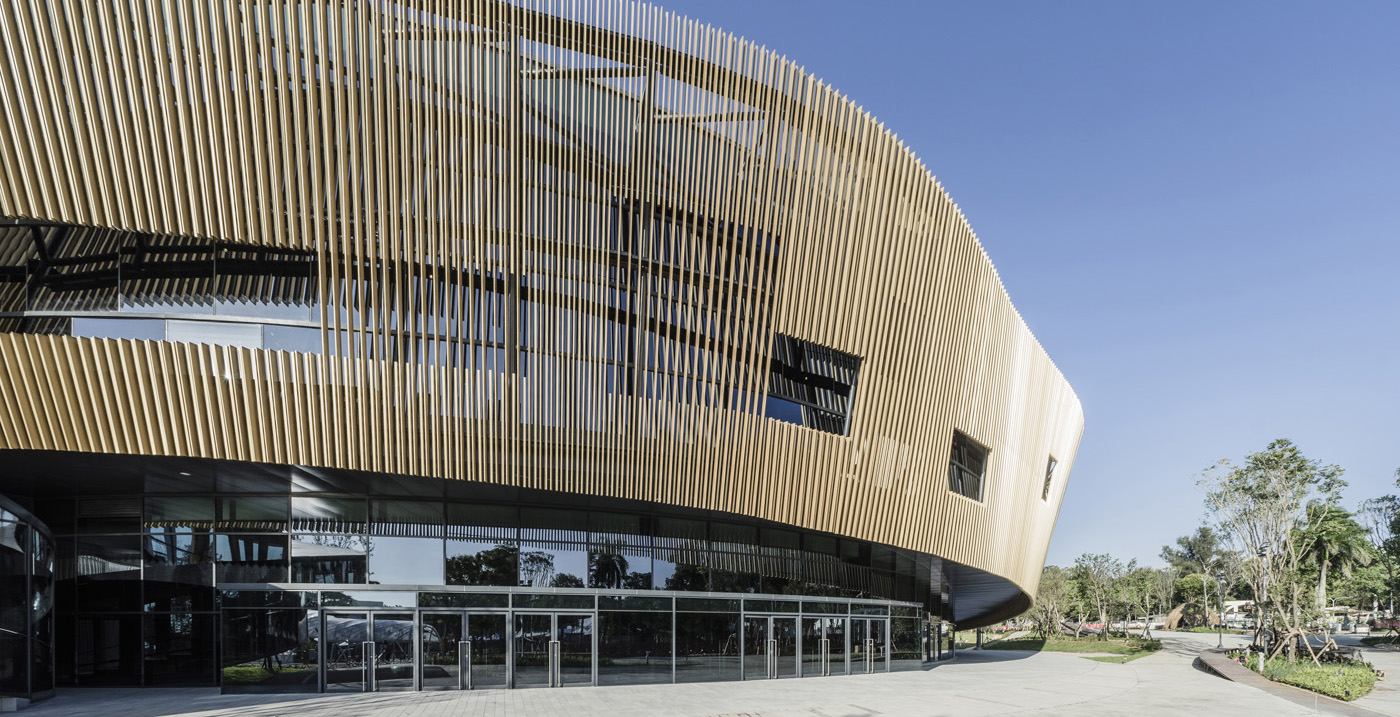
1195, 205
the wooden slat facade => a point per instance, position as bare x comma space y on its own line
429, 149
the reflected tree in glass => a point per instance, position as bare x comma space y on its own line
536, 568
608, 567
565, 580
493, 566
689, 577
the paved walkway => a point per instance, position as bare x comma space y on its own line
977, 684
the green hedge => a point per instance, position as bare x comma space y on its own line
1354, 681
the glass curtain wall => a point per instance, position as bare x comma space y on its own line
26, 605
139, 573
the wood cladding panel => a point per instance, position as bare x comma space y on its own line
410, 145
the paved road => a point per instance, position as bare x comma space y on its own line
977, 684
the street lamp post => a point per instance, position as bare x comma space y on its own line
1220, 582
1263, 598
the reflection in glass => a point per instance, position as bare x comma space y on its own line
368, 598
836, 632
108, 650
41, 667
707, 647
868, 649
634, 648
14, 664
109, 573
251, 558
681, 566
406, 561
319, 514
479, 563
439, 662
756, 636
906, 644
488, 635
179, 512
272, 650
41, 587
394, 642
816, 629
553, 565
179, 649
330, 558
613, 565
179, 570
575, 636
253, 513
14, 583
733, 573
663, 571
814, 657
345, 636
533, 633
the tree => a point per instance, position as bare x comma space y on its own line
1050, 601
1335, 541
1164, 588
1262, 507
1364, 588
1195, 553
1381, 519
1135, 591
1195, 603
1198, 553
1099, 574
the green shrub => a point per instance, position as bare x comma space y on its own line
1134, 646
1345, 682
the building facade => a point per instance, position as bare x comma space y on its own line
464, 344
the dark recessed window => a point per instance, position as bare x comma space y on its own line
811, 385
967, 467
1049, 475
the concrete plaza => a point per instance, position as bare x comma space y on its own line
976, 684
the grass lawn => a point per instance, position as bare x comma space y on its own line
1123, 650
968, 640
1353, 682
1378, 640
245, 675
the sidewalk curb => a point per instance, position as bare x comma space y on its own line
1215, 660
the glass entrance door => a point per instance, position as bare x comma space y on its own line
346, 640
823, 646
770, 647
553, 649
488, 635
395, 639
868, 645
575, 653
440, 657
